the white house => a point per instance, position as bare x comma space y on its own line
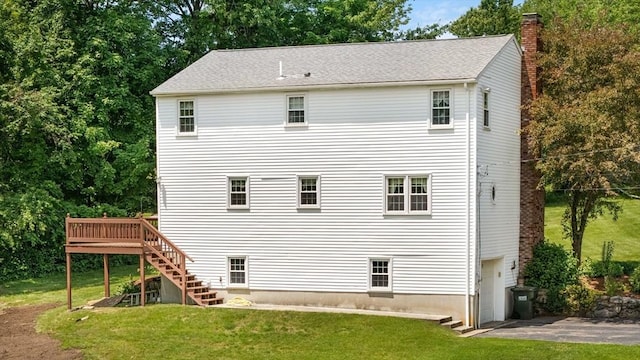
373, 175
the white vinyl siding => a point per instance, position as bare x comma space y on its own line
358, 137
499, 161
186, 122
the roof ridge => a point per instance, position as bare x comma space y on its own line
363, 43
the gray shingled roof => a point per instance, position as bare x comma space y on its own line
336, 65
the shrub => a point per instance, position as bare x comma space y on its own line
128, 287
552, 268
634, 280
580, 300
612, 286
617, 268
628, 266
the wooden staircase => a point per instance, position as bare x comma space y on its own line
170, 261
137, 236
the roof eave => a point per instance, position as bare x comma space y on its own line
303, 87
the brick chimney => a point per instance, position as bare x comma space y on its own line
531, 199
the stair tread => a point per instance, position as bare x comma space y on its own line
452, 323
462, 329
197, 287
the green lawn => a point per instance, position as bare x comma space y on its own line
189, 332
625, 231
53, 289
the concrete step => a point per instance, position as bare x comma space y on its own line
452, 324
462, 329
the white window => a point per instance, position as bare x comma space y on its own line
296, 110
441, 108
380, 274
309, 191
408, 194
238, 192
238, 271
485, 109
186, 117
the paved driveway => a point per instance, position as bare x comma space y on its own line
569, 330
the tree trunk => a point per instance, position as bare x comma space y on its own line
580, 208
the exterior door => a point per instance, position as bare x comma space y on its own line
487, 291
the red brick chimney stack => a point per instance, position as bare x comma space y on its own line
531, 199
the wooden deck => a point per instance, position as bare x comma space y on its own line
133, 236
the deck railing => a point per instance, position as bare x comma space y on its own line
103, 230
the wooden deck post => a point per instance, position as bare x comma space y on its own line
184, 279
107, 287
143, 288
68, 281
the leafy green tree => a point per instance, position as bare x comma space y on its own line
491, 17
586, 124
191, 28
76, 121
426, 32
587, 11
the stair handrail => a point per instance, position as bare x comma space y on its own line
147, 225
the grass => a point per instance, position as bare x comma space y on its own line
189, 332
624, 231
53, 288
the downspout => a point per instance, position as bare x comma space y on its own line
467, 215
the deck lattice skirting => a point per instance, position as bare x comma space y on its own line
134, 236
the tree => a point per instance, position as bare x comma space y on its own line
491, 17
587, 11
191, 28
586, 124
76, 121
426, 32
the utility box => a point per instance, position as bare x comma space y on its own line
523, 298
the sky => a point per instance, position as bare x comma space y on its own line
427, 12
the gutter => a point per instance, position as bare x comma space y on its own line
304, 87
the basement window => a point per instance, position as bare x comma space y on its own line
238, 271
380, 274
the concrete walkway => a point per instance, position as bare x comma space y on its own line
567, 329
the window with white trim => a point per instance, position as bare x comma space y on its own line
485, 109
408, 194
296, 109
186, 117
238, 271
309, 191
441, 108
380, 274
238, 192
